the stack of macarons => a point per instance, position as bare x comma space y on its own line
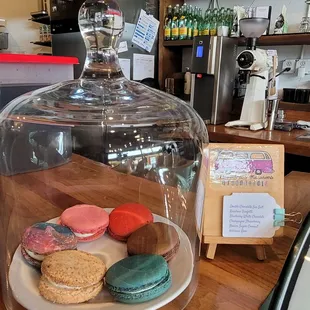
70, 277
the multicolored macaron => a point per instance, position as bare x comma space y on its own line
155, 238
138, 279
71, 277
87, 222
42, 239
127, 218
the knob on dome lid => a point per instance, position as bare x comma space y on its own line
102, 24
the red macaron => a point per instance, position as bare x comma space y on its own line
87, 222
127, 218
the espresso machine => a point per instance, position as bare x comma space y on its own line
213, 75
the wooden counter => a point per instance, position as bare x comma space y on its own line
231, 135
235, 280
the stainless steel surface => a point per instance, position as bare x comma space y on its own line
213, 53
225, 66
272, 108
192, 91
212, 90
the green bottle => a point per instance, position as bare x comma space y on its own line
206, 27
195, 23
168, 22
200, 22
183, 23
213, 22
175, 23
190, 22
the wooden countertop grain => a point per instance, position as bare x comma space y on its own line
222, 134
234, 280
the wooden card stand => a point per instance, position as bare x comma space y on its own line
235, 168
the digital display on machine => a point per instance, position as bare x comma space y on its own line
199, 52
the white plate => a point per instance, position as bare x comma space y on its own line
24, 279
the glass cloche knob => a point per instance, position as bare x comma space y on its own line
101, 23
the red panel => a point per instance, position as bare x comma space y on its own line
21, 58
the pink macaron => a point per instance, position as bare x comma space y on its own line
87, 222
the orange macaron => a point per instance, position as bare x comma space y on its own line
127, 218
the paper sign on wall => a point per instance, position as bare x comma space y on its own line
146, 31
249, 215
125, 65
143, 66
123, 47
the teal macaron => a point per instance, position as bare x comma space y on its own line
138, 278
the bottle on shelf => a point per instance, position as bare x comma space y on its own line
200, 22
206, 28
175, 23
223, 23
213, 22
190, 22
195, 23
168, 21
183, 23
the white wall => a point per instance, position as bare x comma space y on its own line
21, 30
296, 10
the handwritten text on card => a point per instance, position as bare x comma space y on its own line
249, 215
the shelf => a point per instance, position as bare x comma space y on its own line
282, 39
45, 20
271, 40
179, 43
48, 44
294, 106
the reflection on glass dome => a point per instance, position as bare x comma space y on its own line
100, 140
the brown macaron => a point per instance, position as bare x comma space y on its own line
71, 277
155, 238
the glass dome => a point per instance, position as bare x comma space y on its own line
100, 140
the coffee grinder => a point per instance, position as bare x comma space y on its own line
257, 64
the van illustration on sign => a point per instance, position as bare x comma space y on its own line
243, 162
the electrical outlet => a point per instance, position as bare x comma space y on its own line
303, 64
289, 63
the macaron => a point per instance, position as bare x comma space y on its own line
127, 218
155, 238
71, 277
42, 239
138, 279
87, 222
